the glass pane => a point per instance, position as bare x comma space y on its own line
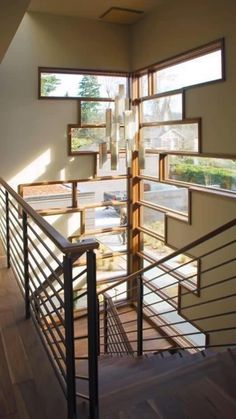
166, 282
164, 195
109, 243
81, 85
112, 267
173, 137
67, 224
166, 311
48, 196
154, 247
170, 292
106, 168
167, 108
100, 191
153, 220
119, 292
143, 85
151, 165
195, 71
204, 171
105, 217
86, 139
93, 112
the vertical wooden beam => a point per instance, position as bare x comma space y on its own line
74, 194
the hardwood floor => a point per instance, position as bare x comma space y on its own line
28, 385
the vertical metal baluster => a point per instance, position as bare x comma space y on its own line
140, 316
69, 337
105, 325
98, 317
92, 335
8, 231
26, 265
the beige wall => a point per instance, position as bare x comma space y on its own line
11, 14
33, 144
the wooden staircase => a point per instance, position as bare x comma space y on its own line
166, 386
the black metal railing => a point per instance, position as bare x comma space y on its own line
114, 341
42, 261
173, 305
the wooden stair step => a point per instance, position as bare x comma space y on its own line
193, 394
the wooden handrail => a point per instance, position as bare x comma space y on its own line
184, 249
61, 242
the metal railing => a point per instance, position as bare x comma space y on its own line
114, 340
42, 261
189, 310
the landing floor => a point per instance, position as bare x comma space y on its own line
28, 386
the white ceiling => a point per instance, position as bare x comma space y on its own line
90, 9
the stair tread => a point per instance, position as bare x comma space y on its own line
195, 394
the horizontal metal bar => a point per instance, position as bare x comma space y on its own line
80, 296
164, 300
44, 244
204, 347
44, 316
80, 274
51, 359
64, 245
46, 262
47, 295
15, 268
14, 206
82, 377
168, 272
178, 252
53, 337
81, 337
14, 240
50, 285
82, 396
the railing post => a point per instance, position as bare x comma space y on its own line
8, 231
105, 326
98, 320
92, 335
140, 316
26, 265
69, 337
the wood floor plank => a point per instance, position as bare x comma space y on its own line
7, 399
29, 401
29, 388
16, 357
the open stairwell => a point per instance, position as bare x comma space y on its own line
166, 386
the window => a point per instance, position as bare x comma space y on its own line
166, 108
171, 197
182, 137
199, 66
73, 84
208, 172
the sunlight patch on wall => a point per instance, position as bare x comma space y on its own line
32, 171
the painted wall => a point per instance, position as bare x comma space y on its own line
33, 142
11, 14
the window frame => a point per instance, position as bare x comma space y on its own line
213, 46
83, 72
